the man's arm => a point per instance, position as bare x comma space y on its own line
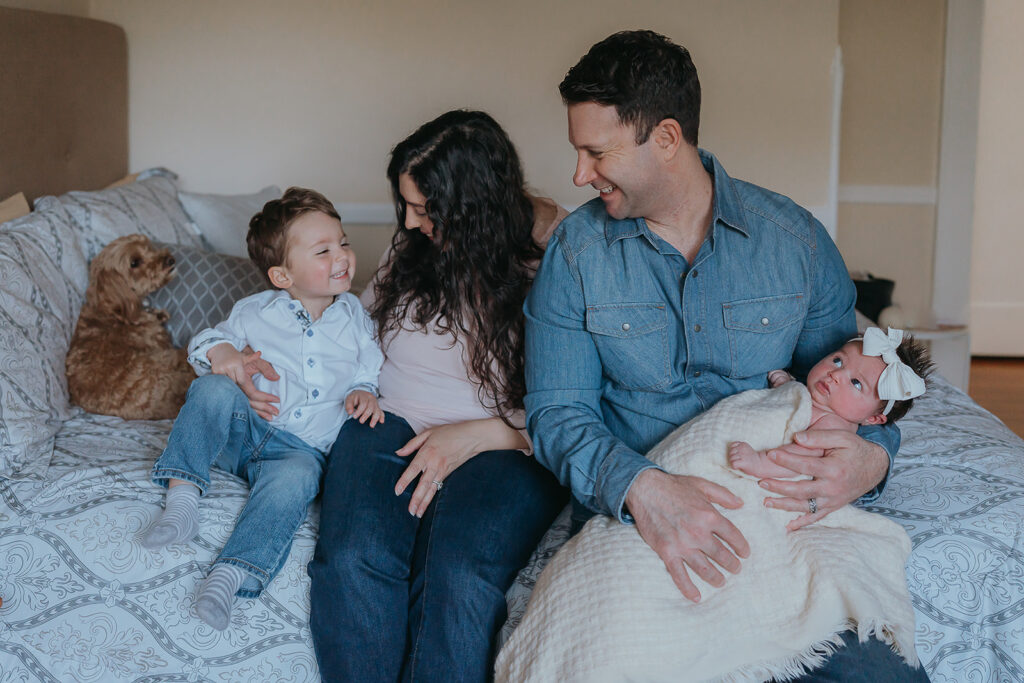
675, 515
851, 466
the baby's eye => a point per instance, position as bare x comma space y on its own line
837, 361
856, 384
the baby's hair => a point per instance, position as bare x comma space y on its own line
268, 229
915, 355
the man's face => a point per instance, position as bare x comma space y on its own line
608, 159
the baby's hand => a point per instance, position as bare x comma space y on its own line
362, 405
226, 360
778, 378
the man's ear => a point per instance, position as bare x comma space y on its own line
279, 277
668, 137
876, 420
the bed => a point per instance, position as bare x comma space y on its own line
83, 601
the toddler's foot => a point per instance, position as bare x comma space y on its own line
742, 456
179, 521
217, 595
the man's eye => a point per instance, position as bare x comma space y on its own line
856, 384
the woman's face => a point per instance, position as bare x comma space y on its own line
416, 217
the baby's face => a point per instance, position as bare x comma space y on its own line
846, 383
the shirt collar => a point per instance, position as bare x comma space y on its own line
727, 206
284, 301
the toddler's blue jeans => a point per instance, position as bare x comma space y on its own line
216, 427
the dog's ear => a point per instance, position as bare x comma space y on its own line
111, 293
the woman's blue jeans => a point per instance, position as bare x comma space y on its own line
216, 427
394, 597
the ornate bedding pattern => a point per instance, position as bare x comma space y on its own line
84, 602
958, 489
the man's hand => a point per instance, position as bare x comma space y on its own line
848, 468
363, 406
676, 516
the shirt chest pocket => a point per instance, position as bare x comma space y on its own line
763, 333
632, 340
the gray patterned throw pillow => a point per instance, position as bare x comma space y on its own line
205, 287
149, 206
43, 276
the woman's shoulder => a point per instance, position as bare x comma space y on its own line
547, 214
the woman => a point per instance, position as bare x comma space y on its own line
427, 517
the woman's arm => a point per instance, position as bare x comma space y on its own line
439, 451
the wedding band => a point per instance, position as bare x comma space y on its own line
438, 484
811, 502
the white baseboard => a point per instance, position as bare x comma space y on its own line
997, 329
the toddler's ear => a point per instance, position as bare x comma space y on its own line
279, 277
876, 420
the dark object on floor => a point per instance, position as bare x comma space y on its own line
873, 294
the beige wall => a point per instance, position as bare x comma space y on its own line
237, 94
892, 101
997, 295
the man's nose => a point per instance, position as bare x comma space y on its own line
584, 171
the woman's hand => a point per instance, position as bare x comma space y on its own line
441, 450
363, 406
261, 402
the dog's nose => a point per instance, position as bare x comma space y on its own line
169, 261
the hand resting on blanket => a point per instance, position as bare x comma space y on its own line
677, 517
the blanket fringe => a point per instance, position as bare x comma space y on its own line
816, 655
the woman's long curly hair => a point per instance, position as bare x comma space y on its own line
473, 274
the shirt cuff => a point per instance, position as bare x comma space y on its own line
617, 478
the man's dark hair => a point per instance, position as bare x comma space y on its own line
268, 229
645, 76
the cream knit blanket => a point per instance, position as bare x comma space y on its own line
606, 609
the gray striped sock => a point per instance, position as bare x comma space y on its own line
179, 521
217, 594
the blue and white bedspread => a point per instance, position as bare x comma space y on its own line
958, 489
83, 601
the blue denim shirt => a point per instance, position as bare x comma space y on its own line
625, 340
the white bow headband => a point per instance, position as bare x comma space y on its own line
897, 382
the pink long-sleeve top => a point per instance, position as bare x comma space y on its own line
425, 375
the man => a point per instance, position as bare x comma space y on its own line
679, 286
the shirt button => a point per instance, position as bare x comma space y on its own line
310, 362
298, 413
291, 307
693, 273
626, 326
696, 328
696, 373
316, 392
764, 321
309, 333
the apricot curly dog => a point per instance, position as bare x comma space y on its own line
121, 361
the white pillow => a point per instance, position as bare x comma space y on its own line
223, 220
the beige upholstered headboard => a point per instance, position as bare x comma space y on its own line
63, 103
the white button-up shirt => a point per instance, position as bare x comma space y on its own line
320, 362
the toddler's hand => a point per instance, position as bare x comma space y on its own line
362, 405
